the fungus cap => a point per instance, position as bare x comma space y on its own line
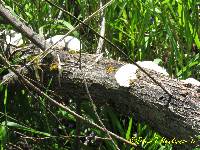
127, 73
14, 38
192, 81
69, 42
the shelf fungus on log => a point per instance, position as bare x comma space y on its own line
126, 74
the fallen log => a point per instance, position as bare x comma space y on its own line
176, 117
179, 119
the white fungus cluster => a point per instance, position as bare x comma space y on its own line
69, 42
127, 73
14, 38
192, 81
152, 66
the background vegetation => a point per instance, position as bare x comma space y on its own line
165, 31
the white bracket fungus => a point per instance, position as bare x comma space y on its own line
192, 81
127, 73
152, 66
69, 42
14, 38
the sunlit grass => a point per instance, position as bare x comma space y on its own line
146, 30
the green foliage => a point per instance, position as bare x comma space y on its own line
3, 135
146, 30
165, 31
21, 127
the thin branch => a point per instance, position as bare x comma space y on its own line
96, 114
19, 25
60, 137
102, 30
32, 95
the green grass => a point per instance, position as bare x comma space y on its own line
166, 30
146, 30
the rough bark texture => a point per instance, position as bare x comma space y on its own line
179, 120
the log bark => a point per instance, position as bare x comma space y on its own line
178, 120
